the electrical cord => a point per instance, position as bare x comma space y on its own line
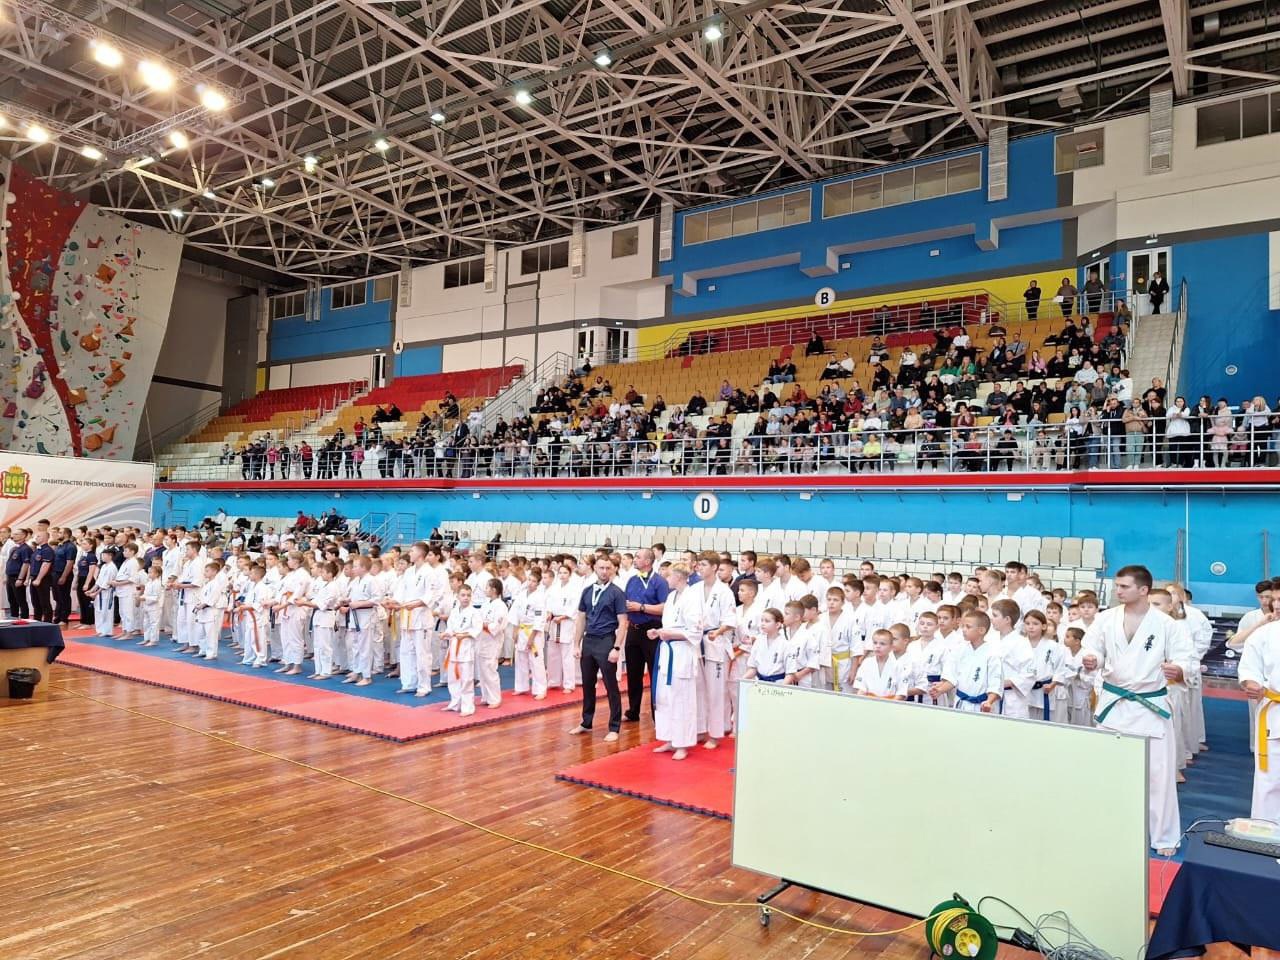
463, 821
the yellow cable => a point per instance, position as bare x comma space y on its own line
753, 905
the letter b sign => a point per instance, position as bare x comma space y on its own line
824, 297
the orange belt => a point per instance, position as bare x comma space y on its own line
253, 620
451, 656
1270, 699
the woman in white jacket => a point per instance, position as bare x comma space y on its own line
675, 681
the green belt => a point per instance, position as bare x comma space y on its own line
1142, 699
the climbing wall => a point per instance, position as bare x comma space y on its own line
84, 302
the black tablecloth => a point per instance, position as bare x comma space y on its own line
32, 634
1218, 896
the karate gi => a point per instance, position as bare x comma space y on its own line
126, 587
324, 622
675, 675
488, 648
746, 630
360, 626
1134, 699
1180, 704
924, 667
171, 567
976, 673
1047, 663
410, 587
887, 681
562, 601
435, 584
459, 661
1260, 662
1079, 687
769, 658
802, 652
293, 619
715, 610
211, 604
152, 606
104, 600
1201, 640
254, 622
529, 619
190, 580
1018, 668
772, 597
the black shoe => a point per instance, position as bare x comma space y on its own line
627, 718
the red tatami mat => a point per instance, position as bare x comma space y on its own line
703, 783
330, 707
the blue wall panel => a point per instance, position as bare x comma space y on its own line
416, 361
351, 329
1136, 526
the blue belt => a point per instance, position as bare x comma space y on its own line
971, 697
933, 677
653, 674
1039, 684
771, 677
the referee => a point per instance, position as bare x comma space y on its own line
646, 594
599, 632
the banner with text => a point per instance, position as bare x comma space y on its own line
69, 492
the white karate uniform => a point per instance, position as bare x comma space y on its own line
887, 682
273, 579
255, 622
772, 597
1260, 662
1135, 666
360, 626
803, 651
211, 604
103, 602
152, 607
295, 586
327, 596
127, 593
1180, 704
529, 618
924, 667
561, 602
409, 587
746, 630
171, 569
769, 658
459, 661
1079, 687
488, 648
1018, 668
675, 679
190, 580
879, 616
975, 672
715, 610
1201, 640
1052, 706
435, 586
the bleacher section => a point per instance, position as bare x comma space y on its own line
273, 411
422, 394
1072, 563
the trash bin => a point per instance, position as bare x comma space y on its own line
22, 682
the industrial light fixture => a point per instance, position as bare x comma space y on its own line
4, 122
176, 213
309, 163
105, 54
1070, 97
523, 97
382, 144
90, 153
714, 30
155, 75
37, 133
209, 195
604, 58
143, 162
266, 183
437, 116
179, 139
212, 99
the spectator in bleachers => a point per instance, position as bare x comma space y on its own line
1017, 352
815, 347
1031, 298
1066, 297
833, 370
697, 404
879, 352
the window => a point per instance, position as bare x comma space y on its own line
626, 243
463, 273
743, 219
349, 295
1079, 151
549, 256
925, 181
1238, 119
288, 305
384, 288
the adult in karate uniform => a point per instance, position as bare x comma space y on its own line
717, 619
1260, 677
1135, 650
675, 676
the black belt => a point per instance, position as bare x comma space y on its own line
598, 636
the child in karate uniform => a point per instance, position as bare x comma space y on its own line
802, 660
1260, 677
210, 607
443, 605
675, 680
529, 616
252, 613
562, 608
292, 615
460, 633
716, 623
359, 610
324, 596
488, 646
1071, 675
973, 674
1048, 696
103, 593
1179, 691
152, 606
190, 580
1017, 661
767, 660
747, 621
845, 648
126, 587
925, 656
881, 674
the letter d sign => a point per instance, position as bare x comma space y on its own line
706, 506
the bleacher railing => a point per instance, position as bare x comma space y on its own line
1248, 442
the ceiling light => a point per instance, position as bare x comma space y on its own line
37, 133
524, 97
309, 163
155, 75
382, 144
604, 59
267, 183
143, 162
713, 31
90, 152
106, 54
212, 99
4, 122
179, 139
209, 195
437, 116
176, 213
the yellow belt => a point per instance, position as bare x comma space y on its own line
1270, 698
836, 657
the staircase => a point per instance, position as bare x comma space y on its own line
1151, 352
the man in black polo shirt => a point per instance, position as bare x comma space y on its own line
646, 594
40, 576
15, 574
599, 633
64, 568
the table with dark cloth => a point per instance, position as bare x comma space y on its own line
1219, 896
32, 633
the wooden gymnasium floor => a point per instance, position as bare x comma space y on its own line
131, 837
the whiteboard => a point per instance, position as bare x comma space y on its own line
900, 805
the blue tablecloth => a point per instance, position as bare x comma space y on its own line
32, 634
1218, 896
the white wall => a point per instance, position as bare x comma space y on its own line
1217, 185
333, 370
611, 289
